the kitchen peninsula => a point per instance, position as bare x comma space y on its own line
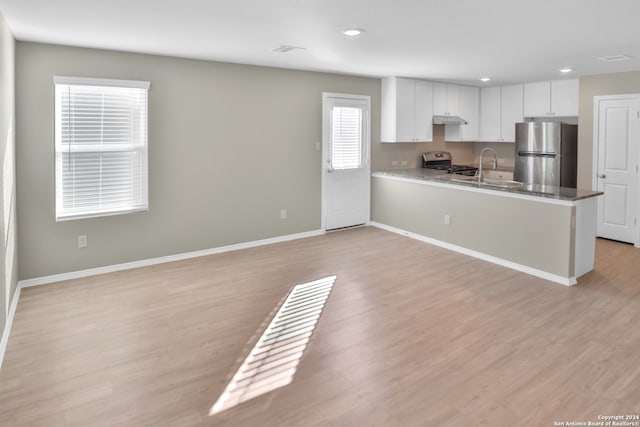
547, 232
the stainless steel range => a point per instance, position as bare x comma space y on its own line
441, 160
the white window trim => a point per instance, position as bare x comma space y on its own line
90, 81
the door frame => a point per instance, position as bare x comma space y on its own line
366, 147
596, 148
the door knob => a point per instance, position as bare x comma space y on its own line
602, 176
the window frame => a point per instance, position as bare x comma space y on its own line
361, 133
100, 82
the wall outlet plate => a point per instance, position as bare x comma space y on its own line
82, 241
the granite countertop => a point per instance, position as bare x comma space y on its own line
432, 175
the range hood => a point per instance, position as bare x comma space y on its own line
448, 120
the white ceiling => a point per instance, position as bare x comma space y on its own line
450, 40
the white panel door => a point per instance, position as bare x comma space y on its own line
346, 169
618, 137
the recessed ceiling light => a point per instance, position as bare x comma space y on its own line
566, 70
614, 58
352, 32
485, 79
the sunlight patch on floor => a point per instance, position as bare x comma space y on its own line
273, 361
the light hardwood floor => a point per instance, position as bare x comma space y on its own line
412, 335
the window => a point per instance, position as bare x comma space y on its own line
100, 147
346, 137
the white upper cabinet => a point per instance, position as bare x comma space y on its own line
511, 111
490, 114
564, 97
423, 111
537, 99
500, 109
446, 99
407, 114
551, 98
469, 109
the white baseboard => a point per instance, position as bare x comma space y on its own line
7, 327
160, 260
566, 281
135, 264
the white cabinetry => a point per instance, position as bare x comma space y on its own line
490, 114
511, 111
564, 97
551, 98
407, 110
500, 109
469, 109
446, 100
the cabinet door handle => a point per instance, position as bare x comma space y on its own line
603, 176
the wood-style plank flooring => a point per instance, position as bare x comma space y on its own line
412, 335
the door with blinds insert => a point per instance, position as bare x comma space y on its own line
346, 168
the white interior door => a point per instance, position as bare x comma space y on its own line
346, 168
618, 137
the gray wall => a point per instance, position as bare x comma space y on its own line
9, 261
590, 86
229, 146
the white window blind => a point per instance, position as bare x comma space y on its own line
100, 147
346, 137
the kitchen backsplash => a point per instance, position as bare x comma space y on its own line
408, 156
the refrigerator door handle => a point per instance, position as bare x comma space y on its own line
537, 154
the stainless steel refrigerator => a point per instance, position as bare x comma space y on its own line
546, 154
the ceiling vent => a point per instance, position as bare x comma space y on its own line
614, 58
283, 48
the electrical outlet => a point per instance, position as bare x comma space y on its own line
395, 163
82, 241
447, 219
283, 214
318, 146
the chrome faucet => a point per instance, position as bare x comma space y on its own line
495, 162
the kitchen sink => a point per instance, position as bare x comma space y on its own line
504, 183
491, 182
497, 174
464, 178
